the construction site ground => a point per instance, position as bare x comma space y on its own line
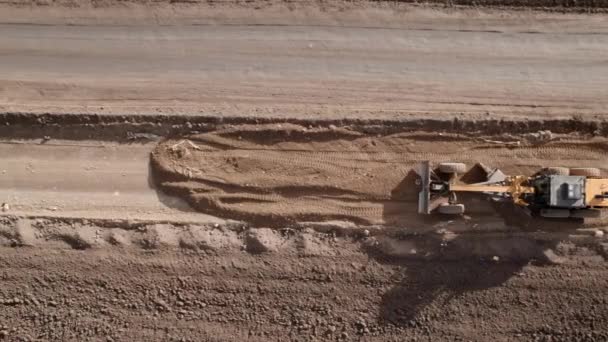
244, 170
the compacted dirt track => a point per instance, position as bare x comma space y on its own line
91, 180
314, 62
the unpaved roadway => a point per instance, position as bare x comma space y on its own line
432, 61
85, 180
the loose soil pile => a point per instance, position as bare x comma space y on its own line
278, 174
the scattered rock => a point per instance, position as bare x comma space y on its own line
396, 248
12, 301
90, 235
263, 240
161, 304
540, 136
549, 256
118, 237
26, 235
157, 236
166, 234
309, 244
203, 238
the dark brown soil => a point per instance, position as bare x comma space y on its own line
123, 295
136, 128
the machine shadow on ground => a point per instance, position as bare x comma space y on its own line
443, 269
463, 265
403, 304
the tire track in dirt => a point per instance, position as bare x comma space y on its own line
272, 175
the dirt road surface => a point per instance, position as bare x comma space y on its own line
85, 180
264, 191
387, 64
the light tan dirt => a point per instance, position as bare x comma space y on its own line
279, 174
87, 180
320, 61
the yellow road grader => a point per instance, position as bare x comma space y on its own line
553, 192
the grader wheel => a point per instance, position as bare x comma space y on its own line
555, 171
452, 168
451, 209
585, 171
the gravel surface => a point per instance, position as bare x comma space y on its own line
125, 295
